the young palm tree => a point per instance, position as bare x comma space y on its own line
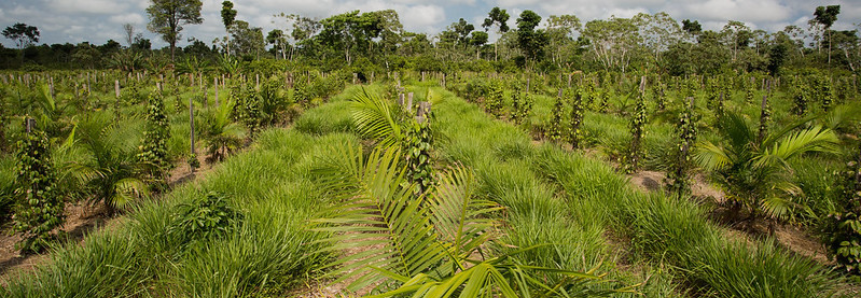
110, 170
431, 245
756, 173
222, 134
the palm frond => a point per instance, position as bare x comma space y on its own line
816, 139
735, 129
460, 219
776, 136
378, 217
128, 189
376, 118
711, 157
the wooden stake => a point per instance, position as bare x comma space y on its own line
117, 88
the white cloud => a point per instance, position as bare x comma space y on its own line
133, 18
87, 6
98, 20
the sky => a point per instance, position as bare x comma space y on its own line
97, 21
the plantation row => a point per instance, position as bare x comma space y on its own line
397, 190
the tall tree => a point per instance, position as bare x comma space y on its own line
168, 16
826, 16
246, 39
497, 17
129, 29
463, 29
613, 41
22, 34
531, 41
228, 17
277, 39
737, 35
559, 33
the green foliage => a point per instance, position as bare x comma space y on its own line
631, 162
522, 105
575, 132
111, 172
493, 102
842, 228
800, 96
222, 135
153, 149
435, 235
754, 171
41, 207
204, 218
826, 93
417, 145
678, 177
556, 130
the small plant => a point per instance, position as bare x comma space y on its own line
631, 161
800, 94
842, 228
556, 134
425, 246
193, 163
418, 141
40, 206
826, 93
755, 171
204, 218
153, 149
494, 101
575, 128
222, 135
678, 181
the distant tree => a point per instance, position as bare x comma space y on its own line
248, 40
228, 17
22, 34
129, 29
142, 43
478, 39
826, 16
168, 16
497, 17
228, 14
559, 33
463, 29
276, 38
692, 27
530, 41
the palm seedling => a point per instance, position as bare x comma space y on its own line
755, 171
110, 169
223, 136
431, 245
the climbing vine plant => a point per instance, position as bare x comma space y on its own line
40, 203
154, 143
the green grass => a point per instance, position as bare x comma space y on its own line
662, 232
268, 252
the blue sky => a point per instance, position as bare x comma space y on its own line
97, 21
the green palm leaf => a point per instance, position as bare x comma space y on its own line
378, 217
816, 139
376, 118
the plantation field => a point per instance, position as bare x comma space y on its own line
484, 188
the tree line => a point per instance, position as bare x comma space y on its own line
377, 41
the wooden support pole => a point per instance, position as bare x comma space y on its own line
191, 122
117, 88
